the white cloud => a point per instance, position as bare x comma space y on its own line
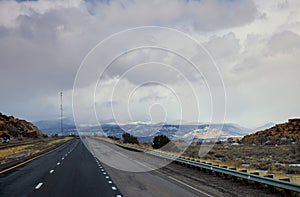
255, 44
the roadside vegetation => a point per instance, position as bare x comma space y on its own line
127, 138
160, 141
14, 152
263, 157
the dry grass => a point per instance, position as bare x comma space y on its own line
261, 159
16, 152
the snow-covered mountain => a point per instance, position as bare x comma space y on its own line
146, 131
264, 127
53, 126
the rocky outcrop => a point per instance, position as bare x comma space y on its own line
16, 128
279, 134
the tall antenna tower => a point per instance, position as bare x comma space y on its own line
61, 113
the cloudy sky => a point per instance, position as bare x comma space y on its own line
151, 61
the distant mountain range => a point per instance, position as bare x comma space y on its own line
264, 127
146, 131
51, 127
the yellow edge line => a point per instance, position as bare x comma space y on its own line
29, 160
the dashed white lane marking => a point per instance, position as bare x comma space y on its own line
58, 163
63, 158
51, 171
119, 196
104, 172
113, 188
38, 186
107, 177
110, 182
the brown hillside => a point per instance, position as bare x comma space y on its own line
280, 133
13, 127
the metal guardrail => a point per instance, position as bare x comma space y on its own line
244, 175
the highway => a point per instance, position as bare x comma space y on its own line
140, 174
109, 170
68, 171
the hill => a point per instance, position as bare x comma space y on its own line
146, 132
16, 128
51, 127
278, 134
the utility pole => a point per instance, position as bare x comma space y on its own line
61, 114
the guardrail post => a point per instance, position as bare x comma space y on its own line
234, 178
269, 175
215, 172
244, 181
188, 166
285, 179
183, 164
225, 176
287, 193
193, 167
271, 188
256, 185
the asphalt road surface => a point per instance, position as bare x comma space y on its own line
140, 174
103, 169
68, 171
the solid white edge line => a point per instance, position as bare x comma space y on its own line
38, 186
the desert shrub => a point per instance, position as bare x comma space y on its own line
292, 170
160, 141
113, 137
127, 138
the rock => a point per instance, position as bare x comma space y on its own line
288, 130
17, 128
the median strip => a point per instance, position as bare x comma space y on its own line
31, 159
